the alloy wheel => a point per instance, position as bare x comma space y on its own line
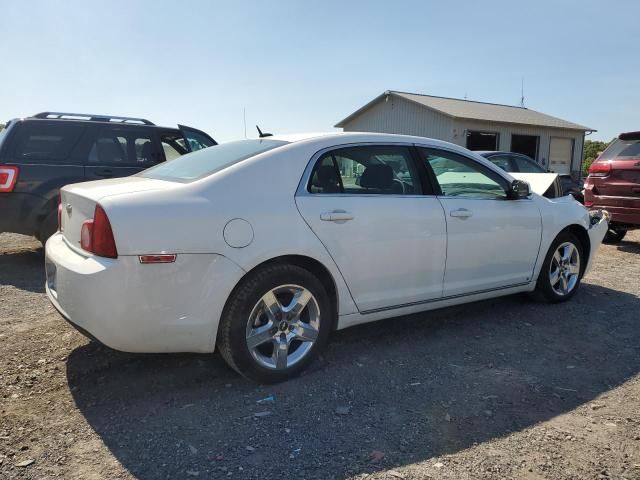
283, 327
564, 271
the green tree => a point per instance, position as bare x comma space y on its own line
592, 148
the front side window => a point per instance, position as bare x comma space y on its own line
45, 142
365, 170
122, 148
525, 165
208, 161
458, 176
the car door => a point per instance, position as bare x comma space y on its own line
385, 231
118, 151
196, 139
492, 241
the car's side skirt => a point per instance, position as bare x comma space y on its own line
406, 309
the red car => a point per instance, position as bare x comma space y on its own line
614, 185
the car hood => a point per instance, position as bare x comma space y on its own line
538, 182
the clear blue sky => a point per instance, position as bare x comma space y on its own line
304, 65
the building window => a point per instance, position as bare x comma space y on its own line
477, 140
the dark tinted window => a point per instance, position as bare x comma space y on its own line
502, 161
124, 147
39, 142
621, 149
387, 170
525, 165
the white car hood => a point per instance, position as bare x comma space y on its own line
538, 182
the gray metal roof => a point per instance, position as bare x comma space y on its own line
469, 109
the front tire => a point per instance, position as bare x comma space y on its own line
614, 236
275, 323
561, 271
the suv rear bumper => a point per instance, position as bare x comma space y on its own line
623, 210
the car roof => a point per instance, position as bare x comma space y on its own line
91, 119
486, 153
363, 137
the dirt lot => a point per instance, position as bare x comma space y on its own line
499, 389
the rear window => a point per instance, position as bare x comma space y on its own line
204, 162
622, 149
46, 143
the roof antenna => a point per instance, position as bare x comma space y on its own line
262, 135
522, 93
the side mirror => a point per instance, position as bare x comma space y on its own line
518, 190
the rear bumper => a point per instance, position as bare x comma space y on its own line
623, 210
131, 307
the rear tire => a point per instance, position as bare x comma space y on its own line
48, 227
561, 270
614, 235
275, 323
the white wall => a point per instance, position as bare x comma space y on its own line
397, 115
506, 130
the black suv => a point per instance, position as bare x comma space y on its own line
41, 154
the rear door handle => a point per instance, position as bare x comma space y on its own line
338, 216
461, 213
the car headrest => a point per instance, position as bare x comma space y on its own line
378, 176
327, 179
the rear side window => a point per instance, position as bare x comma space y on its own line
622, 149
365, 170
45, 142
123, 147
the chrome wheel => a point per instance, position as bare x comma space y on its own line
283, 327
564, 270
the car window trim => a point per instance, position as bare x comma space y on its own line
305, 180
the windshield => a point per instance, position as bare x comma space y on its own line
207, 161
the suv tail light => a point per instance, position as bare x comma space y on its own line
8, 178
96, 235
600, 169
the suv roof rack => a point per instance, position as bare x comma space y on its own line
90, 117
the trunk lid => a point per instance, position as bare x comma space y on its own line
79, 200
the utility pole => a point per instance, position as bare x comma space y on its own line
522, 92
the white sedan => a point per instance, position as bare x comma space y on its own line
260, 248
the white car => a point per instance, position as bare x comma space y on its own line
262, 247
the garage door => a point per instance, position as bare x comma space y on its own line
560, 153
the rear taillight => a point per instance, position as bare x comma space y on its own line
8, 178
600, 169
96, 235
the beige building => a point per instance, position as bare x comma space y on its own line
555, 143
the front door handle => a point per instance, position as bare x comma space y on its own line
338, 216
461, 213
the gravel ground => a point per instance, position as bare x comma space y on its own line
498, 389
